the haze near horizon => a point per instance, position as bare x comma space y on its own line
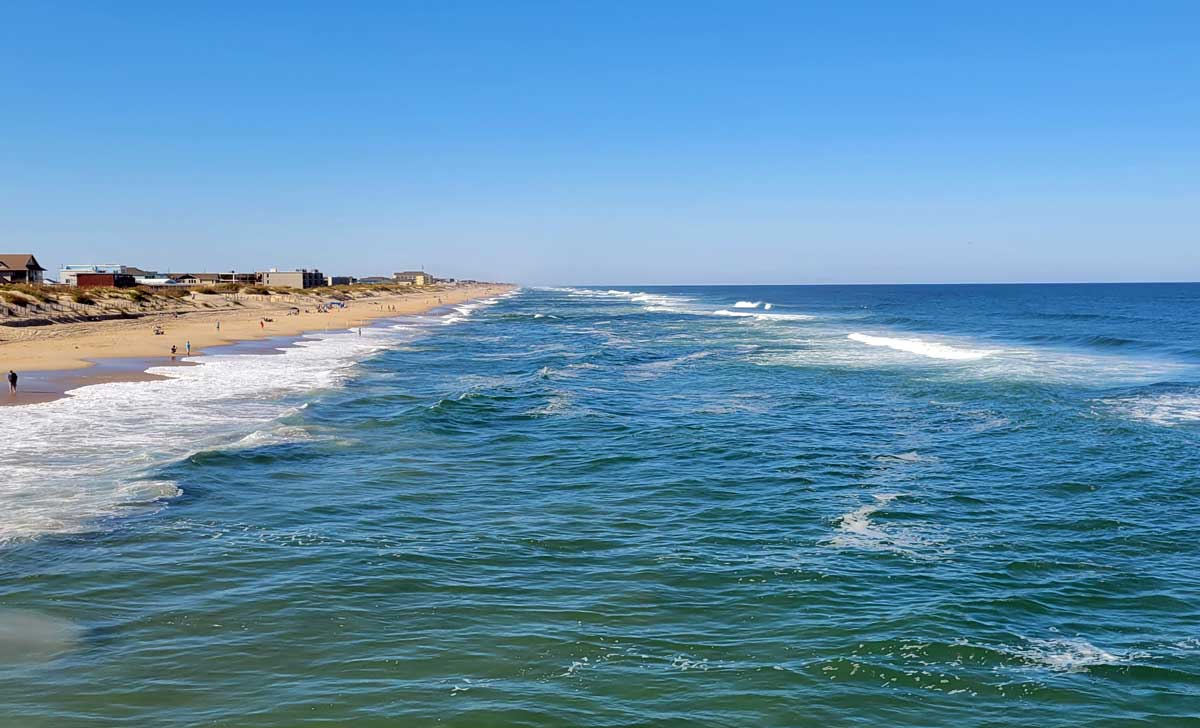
678, 143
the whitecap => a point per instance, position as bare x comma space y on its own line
1071, 655
758, 316
930, 349
1166, 409
857, 530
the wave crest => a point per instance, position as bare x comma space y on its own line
930, 349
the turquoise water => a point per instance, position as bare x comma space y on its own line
862, 506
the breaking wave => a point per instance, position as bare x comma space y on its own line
929, 349
84, 458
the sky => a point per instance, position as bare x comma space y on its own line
607, 143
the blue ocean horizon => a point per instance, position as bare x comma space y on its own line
934, 505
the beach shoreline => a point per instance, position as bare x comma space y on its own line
57, 359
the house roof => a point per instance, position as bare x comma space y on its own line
19, 261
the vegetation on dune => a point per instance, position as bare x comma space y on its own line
37, 293
15, 298
24, 299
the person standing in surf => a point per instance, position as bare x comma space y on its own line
12, 382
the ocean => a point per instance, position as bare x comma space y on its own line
718, 506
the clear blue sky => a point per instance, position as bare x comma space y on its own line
603, 142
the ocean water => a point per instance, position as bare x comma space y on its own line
761, 506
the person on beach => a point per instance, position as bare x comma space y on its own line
262, 324
173, 350
187, 346
12, 382
218, 326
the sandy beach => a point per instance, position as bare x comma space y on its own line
52, 359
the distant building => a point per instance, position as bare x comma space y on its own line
375, 280
339, 281
302, 278
68, 275
104, 280
209, 279
20, 268
156, 281
140, 272
413, 278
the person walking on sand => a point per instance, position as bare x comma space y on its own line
12, 382
218, 326
187, 346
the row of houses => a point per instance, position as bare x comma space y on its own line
24, 268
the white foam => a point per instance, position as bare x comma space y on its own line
858, 522
930, 349
857, 530
1168, 409
826, 346
747, 304
783, 317
768, 306
763, 316
464, 310
1070, 655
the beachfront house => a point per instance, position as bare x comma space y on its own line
339, 281
302, 278
413, 278
20, 268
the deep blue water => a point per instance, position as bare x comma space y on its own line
862, 506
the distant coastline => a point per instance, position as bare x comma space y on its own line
60, 357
